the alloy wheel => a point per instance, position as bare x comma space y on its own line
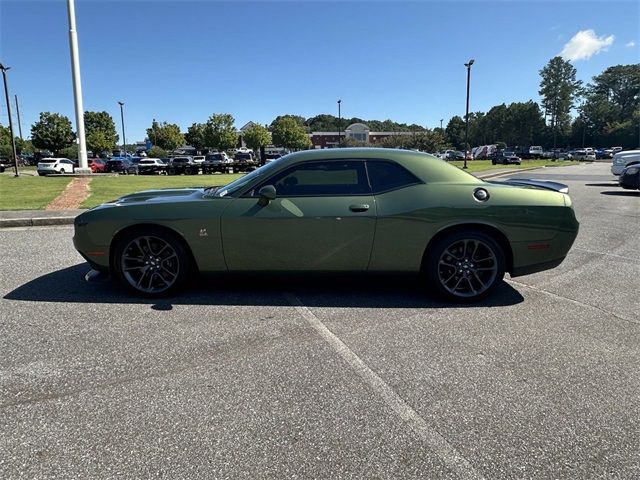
467, 268
150, 264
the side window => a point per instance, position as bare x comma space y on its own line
386, 176
331, 178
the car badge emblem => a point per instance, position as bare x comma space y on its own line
203, 232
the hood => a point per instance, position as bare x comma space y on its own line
162, 196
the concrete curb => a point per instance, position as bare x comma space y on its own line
35, 222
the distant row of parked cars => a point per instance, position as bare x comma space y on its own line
217, 162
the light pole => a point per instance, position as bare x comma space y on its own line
124, 139
466, 133
339, 123
6, 96
441, 123
19, 121
77, 88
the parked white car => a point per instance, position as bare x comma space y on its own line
536, 151
47, 166
622, 159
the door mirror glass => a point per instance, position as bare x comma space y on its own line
267, 193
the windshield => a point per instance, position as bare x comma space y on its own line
241, 182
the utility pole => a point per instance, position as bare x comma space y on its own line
441, 123
124, 139
13, 138
19, 121
77, 88
466, 134
339, 124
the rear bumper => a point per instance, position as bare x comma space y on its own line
537, 267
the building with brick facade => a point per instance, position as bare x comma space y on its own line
359, 132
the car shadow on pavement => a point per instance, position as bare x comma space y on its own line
335, 290
612, 184
623, 193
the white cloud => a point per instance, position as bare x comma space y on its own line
585, 44
632, 43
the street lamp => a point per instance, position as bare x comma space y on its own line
77, 89
339, 123
441, 123
466, 134
6, 96
124, 139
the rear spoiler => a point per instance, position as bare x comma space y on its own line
555, 186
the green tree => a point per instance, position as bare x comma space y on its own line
611, 102
289, 133
165, 135
69, 152
430, 141
257, 136
297, 118
559, 90
6, 151
5, 135
195, 136
52, 132
455, 132
98, 142
220, 131
100, 132
397, 141
157, 152
24, 146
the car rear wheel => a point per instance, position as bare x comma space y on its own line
151, 262
465, 266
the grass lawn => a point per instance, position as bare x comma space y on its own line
105, 189
480, 165
29, 192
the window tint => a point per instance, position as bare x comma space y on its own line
321, 178
385, 176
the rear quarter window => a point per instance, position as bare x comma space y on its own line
385, 176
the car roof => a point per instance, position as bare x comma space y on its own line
426, 167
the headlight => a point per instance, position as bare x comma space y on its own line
632, 170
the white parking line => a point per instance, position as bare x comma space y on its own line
436, 442
571, 300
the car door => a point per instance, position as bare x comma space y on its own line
322, 219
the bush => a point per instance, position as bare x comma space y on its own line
156, 152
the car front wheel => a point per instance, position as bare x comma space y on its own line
151, 263
465, 266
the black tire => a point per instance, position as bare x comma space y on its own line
187, 171
157, 258
171, 171
493, 162
465, 276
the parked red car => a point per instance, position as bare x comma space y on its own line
97, 165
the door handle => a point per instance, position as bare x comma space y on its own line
359, 207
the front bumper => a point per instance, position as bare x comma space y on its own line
629, 182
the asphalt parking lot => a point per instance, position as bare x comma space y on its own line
330, 377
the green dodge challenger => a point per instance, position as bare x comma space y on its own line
338, 210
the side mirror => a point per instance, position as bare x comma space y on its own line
267, 193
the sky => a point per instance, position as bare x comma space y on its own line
181, 61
